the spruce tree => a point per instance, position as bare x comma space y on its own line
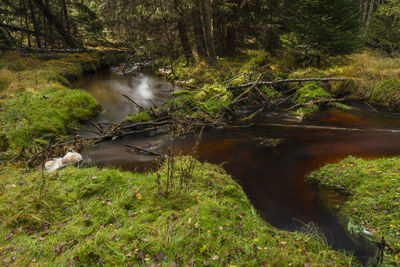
325, 27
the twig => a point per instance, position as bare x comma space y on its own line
130, 99
370, 106
247, 91
234, 77
147, 151
286, 99
137, 125
98, 127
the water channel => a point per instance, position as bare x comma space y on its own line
273, 176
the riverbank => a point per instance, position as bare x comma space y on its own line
373, 191
210, 89
39, 230
102, 216
37, 104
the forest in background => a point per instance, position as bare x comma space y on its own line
196, 29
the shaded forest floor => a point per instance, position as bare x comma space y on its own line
100, 216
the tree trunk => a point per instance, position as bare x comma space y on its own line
230, 41
207, 30
218, 34
27, 24
371, 10
66, 18
183, 35
35, 24
64, 35
198, 31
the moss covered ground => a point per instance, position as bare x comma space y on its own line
373, 189
373, 77
36, 101
92, 216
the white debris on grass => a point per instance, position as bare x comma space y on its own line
57, 163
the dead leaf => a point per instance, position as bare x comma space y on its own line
8, 236
160, 255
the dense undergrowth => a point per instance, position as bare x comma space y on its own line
36, 102
373, 187
108, 217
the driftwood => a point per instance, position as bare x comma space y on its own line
258, 83
147, 151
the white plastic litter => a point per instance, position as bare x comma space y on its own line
57, 163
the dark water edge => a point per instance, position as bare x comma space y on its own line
273, 177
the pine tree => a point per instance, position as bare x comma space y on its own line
326, 28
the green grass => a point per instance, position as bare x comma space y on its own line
366, 69
108, 217
36, 101
387, 94
373, 188
46, 113
138, 117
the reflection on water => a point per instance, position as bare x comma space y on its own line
272, 177
107, 87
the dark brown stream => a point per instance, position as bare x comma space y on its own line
272, 177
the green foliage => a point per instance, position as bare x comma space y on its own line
387, 94
384, 31
138, 117
107, 217
373, 188
321, 28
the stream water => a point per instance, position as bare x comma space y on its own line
273, 176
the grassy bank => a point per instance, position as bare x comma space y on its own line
373, 188
36, 101
374, 77
107, 217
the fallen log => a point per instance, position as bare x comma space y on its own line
263, 83
316, 127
